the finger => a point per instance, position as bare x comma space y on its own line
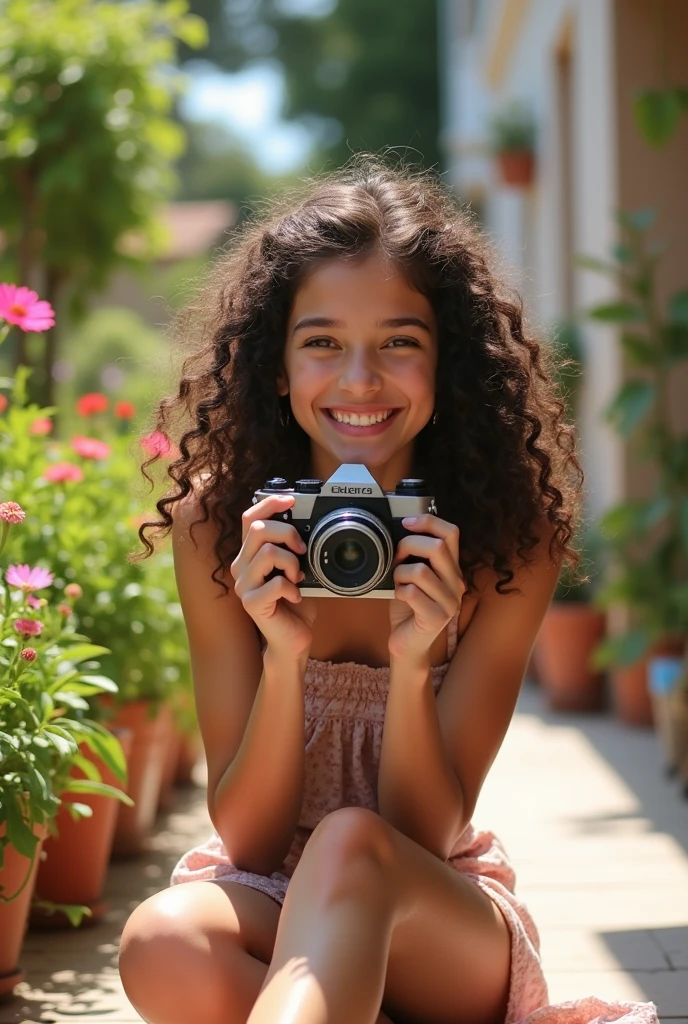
268, 558
436, 551
265, 509
424, 579
262, 602
427, 611
435, 527
264, 532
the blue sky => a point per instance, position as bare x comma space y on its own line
249, 103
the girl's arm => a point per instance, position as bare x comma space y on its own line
250, 710
436, 753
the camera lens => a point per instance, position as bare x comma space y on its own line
349, 556
350, 551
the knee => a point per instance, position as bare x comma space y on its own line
348, 846
168, 969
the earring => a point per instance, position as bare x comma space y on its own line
284, 416
434, 419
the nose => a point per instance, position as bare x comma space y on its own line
360, 376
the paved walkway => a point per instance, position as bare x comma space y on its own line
598, 837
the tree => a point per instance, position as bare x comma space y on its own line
360, 74
85, 141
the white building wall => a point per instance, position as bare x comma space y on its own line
527, 226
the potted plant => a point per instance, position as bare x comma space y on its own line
570, 632
85, 488
43, 720
647, 573
513, 144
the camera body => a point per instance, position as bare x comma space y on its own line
351, 528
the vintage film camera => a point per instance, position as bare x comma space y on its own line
351, 528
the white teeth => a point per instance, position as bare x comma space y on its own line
356, 419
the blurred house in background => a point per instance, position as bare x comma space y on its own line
194, 230
577, 64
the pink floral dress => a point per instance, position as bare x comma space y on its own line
345, 710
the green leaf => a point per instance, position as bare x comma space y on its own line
675, 340
98, 788
638, 220
80, 652
616, 312
630, 406
639, 348
657, 113
108, 748
622, 650
678, 308
683, 521
74, 912
61, 740
592, 263
193, 31
19, 835
103, 683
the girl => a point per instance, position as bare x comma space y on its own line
347, 740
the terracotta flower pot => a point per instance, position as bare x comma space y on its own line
14, 915
74, 863
189, 754
151, 729
629, 686
569, 633
516, 167
171, 757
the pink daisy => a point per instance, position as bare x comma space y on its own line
21, 306
25, 578
11, 512
28, 627
33, 602
90, 448
60, 471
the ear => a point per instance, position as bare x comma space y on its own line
282, 384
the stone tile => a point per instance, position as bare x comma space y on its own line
610, 909
674, 943
573, 950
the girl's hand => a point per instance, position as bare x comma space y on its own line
425, 597
283, 616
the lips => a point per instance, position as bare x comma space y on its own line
365, 429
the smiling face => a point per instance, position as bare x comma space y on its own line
359, 366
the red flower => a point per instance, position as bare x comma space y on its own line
125, 410
64, 609
91, 403
3, 403
11, 512
28, 654
28, 627
60, 471
74, 591
90, 448
41, 426
21, 306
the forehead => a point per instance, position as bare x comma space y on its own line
346, 288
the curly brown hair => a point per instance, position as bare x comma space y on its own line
501, 459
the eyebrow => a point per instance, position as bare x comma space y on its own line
399, 321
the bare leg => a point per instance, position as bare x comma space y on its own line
370, 917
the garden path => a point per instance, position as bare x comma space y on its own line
598, 837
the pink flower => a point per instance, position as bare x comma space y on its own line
28, 627
64, 609
41, 426
11, 512
34, 602
60, 471
90, 448
27, 579
28, 654
91, 403
21, 306
3, 403
158, 444
73, 590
